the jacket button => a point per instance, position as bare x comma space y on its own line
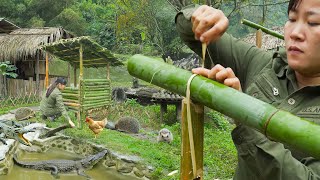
291, 101
255, 95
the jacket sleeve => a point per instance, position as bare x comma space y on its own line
60, 105
246, 60
266, 159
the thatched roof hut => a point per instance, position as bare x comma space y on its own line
268, 42
7, 26
24, 43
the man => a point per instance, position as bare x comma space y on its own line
287, 79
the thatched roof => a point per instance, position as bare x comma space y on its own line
24, 43
268, 42
7, 26
94, 55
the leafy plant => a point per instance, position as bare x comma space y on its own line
7, 69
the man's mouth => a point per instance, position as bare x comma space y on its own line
295, 49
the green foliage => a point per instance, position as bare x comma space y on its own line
219, 120
36, 21
7, 69
71, 20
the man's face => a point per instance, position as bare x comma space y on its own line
302, 38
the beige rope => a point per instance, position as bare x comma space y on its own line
204, 48
190, 132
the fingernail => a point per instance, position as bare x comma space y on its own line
202, 39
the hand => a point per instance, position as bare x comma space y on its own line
208, 24
223, 75
71, 123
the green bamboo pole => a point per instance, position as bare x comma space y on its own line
264, 29
95, 80
281, 126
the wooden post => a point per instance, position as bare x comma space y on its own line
47, 71
197, 117
178, 111
81, 88
108, 71
68, 74
81, 63
259, 38
75, 76
1, 87
37, 74
163, 109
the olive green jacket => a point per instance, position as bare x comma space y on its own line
265, 76
53, 105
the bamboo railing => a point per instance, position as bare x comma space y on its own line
277, 124
93, 94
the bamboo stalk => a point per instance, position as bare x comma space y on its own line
96, 98
47, 71
70, 94
259, 38
98, 86
95, 95
94, 101
96, 83
264, 29
95, 80
197, 121
101, 89
72, 104
275, 123
70, 100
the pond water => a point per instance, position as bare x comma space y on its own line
98, 172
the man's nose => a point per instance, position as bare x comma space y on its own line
297, 32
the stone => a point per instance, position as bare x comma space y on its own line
137, 172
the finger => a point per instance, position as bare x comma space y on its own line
233, 83
208, 19
201, 71
213, 72
197, 17
224, 74
216, 31
197, 12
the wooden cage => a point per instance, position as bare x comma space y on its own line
83, 52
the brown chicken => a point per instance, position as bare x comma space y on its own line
96, 126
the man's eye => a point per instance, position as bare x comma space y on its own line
313, 23
291, 20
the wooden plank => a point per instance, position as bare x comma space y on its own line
47, 71
259, 38
37, 68
197, 121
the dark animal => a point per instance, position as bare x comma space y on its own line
128, 125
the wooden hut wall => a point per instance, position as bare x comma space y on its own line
20, 87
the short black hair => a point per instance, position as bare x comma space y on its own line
293, 4
61, 80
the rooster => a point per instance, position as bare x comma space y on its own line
96, 126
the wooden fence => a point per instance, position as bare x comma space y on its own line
20, 92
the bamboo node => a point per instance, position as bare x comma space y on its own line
265, 126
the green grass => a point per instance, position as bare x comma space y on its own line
219, 151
